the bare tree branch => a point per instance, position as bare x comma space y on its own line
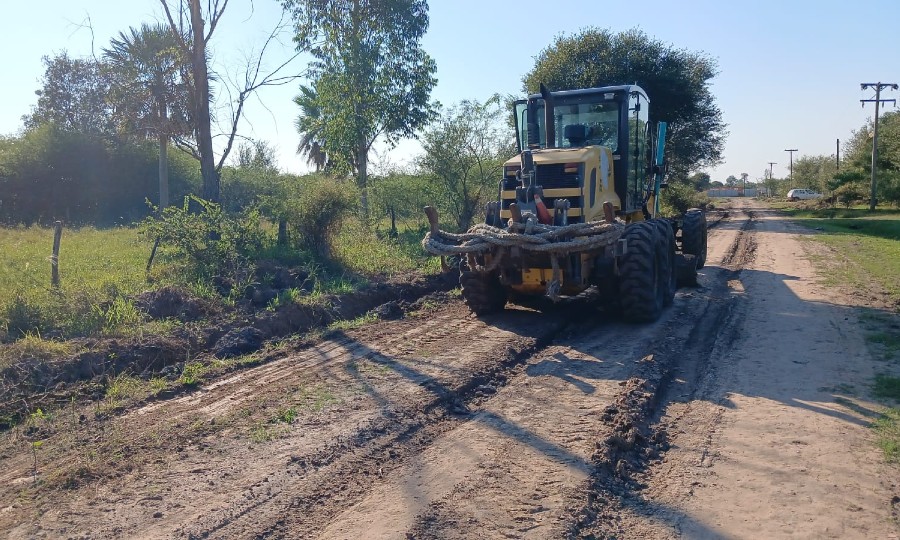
175, 29
187, 147
214, 15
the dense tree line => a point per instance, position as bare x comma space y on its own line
107, 134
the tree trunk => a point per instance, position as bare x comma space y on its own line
201, 95
163, 157
362, 180
163, 172
282, 232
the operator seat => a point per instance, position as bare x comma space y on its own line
576, 134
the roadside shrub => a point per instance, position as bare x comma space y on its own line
316, 210
677, 198
215, 243
848, 194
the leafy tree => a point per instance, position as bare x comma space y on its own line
192, 42
370, 75
858, 152
814, 172
701, 181
731, 181
311, 127
259, 155
676, 80
73, 96
463, 151
151, 94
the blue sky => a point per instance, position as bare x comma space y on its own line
790, 70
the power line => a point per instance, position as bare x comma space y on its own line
878, 101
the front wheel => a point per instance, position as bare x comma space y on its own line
667, 245
482, 292
641, 287
693, 235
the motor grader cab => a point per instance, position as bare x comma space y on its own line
578, 208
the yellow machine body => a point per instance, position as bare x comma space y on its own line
588, 175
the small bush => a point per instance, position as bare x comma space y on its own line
216, 243
849, 194
192, 374
678, 198
317, 209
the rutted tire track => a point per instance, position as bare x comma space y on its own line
637, 437
508, 470
314, 488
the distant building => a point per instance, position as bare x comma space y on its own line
732, 192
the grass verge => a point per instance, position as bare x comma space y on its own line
888, 430
872, 242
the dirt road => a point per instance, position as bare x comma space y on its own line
741, 413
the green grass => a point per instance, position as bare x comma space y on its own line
95, 266
32, 346
360, 249
887, 387
316, 398
871, 240
192, 373
890, 341
358, 322
888, 430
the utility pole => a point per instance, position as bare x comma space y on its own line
791, 150
878, 87
837, 156
771, 178
744, 178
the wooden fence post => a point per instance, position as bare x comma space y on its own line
54, 258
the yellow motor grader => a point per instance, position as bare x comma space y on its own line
577, 208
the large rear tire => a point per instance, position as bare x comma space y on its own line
667, 244
693, 235
641, 287
482, 292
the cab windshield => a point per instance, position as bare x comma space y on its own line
577, 124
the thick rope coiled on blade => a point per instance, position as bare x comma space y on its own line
545, 238
555, 241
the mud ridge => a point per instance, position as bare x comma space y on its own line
31, 383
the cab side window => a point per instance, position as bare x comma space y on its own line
637, 147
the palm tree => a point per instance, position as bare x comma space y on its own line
309, 126
150, 90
